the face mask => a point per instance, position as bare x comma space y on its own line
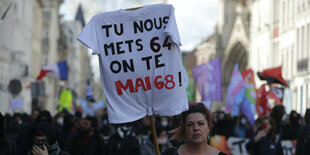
283, 117
243, 121
20, 122
60, 121
162, 140
164, 123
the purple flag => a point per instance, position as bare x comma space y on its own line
209, 80
235, 92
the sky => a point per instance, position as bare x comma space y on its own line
196, 19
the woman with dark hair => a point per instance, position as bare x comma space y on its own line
265, 141
193, 132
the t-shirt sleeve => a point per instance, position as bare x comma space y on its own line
172, 28
88, 37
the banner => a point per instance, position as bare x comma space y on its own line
209, 80
235, 92
140, 61
289, 147
220, 142
249, 99
236, 145
17, 104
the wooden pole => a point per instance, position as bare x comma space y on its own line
154, 135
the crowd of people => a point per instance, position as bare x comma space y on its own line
76, 134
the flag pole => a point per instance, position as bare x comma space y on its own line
154, 134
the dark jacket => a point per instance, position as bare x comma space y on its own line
86, 145
265, 146
303, 137
123, 146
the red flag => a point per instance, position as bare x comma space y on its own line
262, 107
272, 75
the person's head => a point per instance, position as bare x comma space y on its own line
307, 116
89, 125
294, 117
195, 125
59, 119
44, 116
35, 113
43, 133
267, 123
277, 113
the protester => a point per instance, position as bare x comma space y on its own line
303, 140
87, 141
264, 142
224, 125
43, 140
278, 115
44, 116
7, 146
67, 132
194, 129
123, 142
34, 114
291, 129
148, 147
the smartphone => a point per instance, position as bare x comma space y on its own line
40, 146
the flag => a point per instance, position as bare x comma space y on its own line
189, 88
89, 93
86, 108
276, 93
249, 99
262, 106
98, 105
235, 92
58, 70
208, 77
65, 100
272, 75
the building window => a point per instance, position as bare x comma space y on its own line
308, 41
283, 15
307, 97
302, 42
292, 60
301, 99
46, 15
288, 16
298, 44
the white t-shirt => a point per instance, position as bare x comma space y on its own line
140, 61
